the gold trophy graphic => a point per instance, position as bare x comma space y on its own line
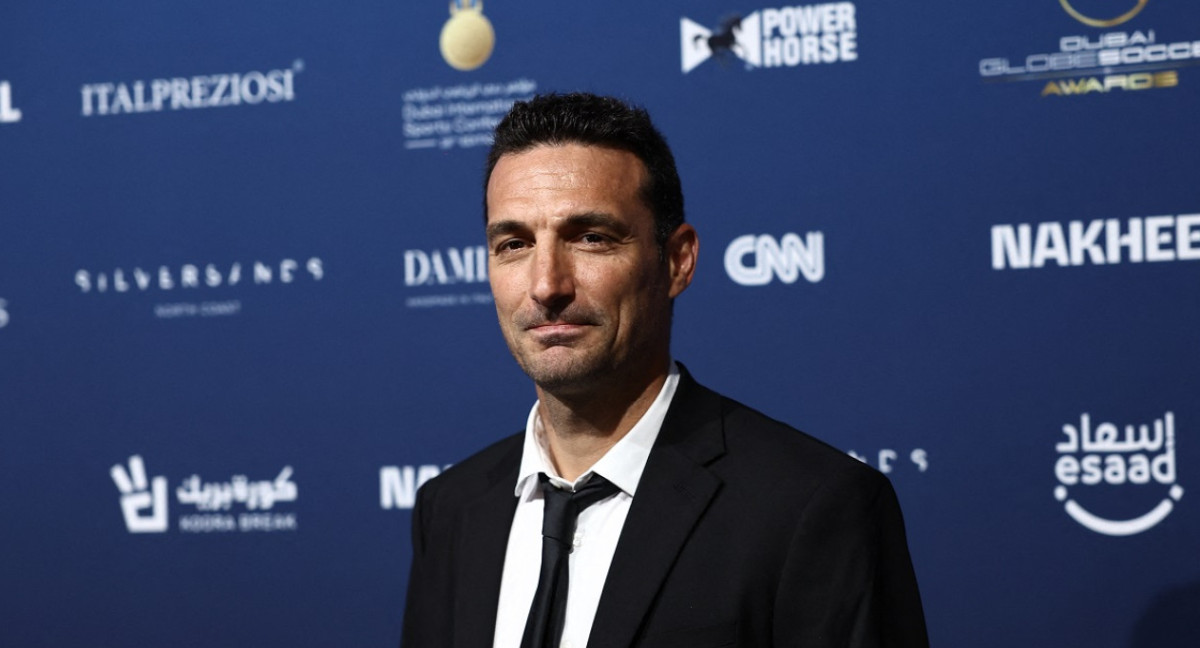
467, 38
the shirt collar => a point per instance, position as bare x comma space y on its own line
622, 464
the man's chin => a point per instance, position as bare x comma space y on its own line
561, 377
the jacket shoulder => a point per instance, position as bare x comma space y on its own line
819, 482
471, 476
762, 450
773, 442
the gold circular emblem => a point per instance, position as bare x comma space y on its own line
1099, 22
467, 38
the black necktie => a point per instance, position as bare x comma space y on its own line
548, 612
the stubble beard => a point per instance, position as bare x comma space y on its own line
563, 369
590, 368
566, 376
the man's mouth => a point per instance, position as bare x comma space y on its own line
557, 332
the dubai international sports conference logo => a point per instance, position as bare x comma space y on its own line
462, 113
467, 37
1096, 458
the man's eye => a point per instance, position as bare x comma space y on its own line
510, 245
593, 238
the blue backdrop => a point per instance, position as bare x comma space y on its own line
244, 308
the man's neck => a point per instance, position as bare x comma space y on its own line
581, 428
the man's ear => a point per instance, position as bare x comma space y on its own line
682, 249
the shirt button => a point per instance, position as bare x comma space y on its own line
566, 644
578, 540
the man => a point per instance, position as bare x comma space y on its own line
717, 525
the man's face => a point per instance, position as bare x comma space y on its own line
581, 290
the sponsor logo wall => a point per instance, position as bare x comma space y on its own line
756, 260
467, 37
1097, 242
238, 504
398, 484
241, 262
459, 116
192, 278
1145, 454
462, 271
199, 91
1101, 60
775, 37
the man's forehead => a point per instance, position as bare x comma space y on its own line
564, 173
572, 160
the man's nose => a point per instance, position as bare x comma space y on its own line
553, 280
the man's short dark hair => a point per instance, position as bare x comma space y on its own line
583, 118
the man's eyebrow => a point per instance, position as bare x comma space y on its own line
500, 228
574, 221
596, 219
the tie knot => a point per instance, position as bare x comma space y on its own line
562, 507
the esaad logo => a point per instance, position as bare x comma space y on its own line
737, 36
1093, 457
1100, 22
8, 114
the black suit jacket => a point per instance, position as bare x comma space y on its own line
744, 532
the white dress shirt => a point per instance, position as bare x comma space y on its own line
596, 532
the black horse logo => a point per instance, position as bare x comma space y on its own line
724, 41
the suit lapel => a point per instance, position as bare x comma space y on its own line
673, 494
483, 541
